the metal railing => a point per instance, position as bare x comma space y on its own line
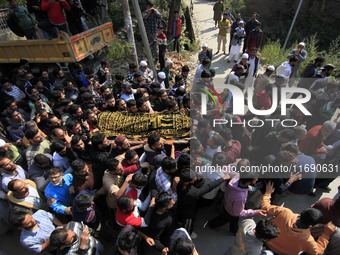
3, 21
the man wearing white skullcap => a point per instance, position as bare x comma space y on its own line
301, 54
205, 53
146, 72
161, 78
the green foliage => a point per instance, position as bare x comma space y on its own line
271, 53
119, 50
115, 12
236, 5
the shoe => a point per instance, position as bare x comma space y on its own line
325, 189
235, 61
193, 235
217, 52
228, 61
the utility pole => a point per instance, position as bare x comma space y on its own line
140, 21
129, 29
291, 27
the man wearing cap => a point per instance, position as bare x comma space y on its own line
236, 42
301, 54
244, 62
146, 72
205, 53
223, 26
254, 38
161, 78
127, 92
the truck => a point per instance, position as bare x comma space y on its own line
64, 49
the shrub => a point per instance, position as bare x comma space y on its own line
119, 50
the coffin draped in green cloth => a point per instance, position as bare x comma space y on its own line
137, 125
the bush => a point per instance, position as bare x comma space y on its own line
271, 53
116, 14
119, 50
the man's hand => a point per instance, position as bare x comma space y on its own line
261, 213
68, 211
226, 177
129, 178
68, 138
150, 241
269, 188
329, 228
84, 238
295, 177
165, 251
71, 189
85, 124
50, 201
175, 181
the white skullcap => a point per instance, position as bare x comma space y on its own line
241, 22
2, 142
245, 55
271, 68
205, 45
302, 44
143, 63
168, 62
161, 75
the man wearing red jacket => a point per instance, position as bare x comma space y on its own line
56, 17
176, 30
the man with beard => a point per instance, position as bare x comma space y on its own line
74, 128
25, 196
91, 119
160, 104
121, 105
127, 92
123, 145
10, 171
58, 193
101, 151
82, 176
166, 179
60, 155
37, 145
58, 135
155, 152
11, 151
59, 78
80, 149
117, 88
35, 229
285, 69
38, 171
110, 103
131, 163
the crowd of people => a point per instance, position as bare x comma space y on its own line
69, 189
52, 16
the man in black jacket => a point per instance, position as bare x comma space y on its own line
188, 196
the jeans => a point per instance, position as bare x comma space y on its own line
176, 43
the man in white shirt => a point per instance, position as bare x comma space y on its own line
285, 69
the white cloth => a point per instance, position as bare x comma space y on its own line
234, 52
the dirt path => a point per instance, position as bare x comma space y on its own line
203, 16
